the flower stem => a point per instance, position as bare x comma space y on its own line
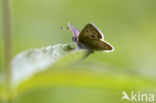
7, 32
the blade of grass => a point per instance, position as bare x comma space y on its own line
7, 32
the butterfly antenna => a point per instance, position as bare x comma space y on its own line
65, 29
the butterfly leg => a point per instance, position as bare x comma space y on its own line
88, 52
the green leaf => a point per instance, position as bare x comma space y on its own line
82, 77
60, 66
69, 72
30, 62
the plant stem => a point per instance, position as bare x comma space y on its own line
7, 31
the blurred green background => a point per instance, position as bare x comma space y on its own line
129, 25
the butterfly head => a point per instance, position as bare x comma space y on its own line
74, 39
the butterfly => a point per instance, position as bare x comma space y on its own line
90, 38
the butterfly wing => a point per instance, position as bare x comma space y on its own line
74, 30
95, 44
90, 31
92, 38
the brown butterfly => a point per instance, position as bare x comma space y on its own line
90, 38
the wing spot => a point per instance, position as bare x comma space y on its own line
93, 36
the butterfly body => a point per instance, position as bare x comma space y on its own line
90, 38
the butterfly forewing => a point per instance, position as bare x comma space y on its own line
74, 30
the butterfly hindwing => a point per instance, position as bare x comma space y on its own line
95, 44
